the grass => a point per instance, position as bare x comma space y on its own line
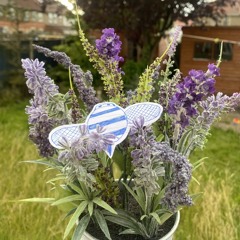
215, 216
19, 180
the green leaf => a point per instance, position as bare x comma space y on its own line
143, 216
75, 217
77, 189
104, 205
122, 222
153, 227
165, 217
160, 137
102, 223
183, 141
139, 200
157, 199
56, 179
37, 200
103, 158
81, 227
198, 163
68, 199
141, 196
155, 215
195, 180
90, 208
42, 161
124, 219
128, 231
70, 212
85, 190
196, 196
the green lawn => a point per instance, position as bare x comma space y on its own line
216, 215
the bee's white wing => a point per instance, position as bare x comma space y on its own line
150, 111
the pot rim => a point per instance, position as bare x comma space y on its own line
166, 237
171, 232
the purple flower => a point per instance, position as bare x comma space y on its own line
175, 37
149, 160
37, 82
208, 86
176, 192
210, 109
213, 69
147, 168
38, 133
109, 45
36, 113
197, 85
196, 75
81, 79
43, 89
80, 155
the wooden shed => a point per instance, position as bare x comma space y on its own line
201, 45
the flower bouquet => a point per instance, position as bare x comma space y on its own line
123, 167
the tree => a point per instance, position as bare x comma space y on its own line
144, 22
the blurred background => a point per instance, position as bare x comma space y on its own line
144, 27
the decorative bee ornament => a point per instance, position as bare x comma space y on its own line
114, 119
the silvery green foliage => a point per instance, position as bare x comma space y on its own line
150, 159
211, 110
147, 168
57, 107
79, 156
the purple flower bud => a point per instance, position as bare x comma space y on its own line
192, 90
213, 69
109, 46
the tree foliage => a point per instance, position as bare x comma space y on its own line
144, 22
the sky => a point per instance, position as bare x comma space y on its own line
66, 3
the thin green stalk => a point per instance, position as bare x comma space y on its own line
78, 20
220, 55
70, 78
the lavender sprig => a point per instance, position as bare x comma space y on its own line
109, 46
147, 169
38, 82
39, 132
79, 155
176, 34
111, 76
211, 110
81, 79
149, 160
176, 192
196, 86
43, 89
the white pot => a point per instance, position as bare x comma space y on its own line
168, 236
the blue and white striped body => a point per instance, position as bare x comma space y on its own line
113, 119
